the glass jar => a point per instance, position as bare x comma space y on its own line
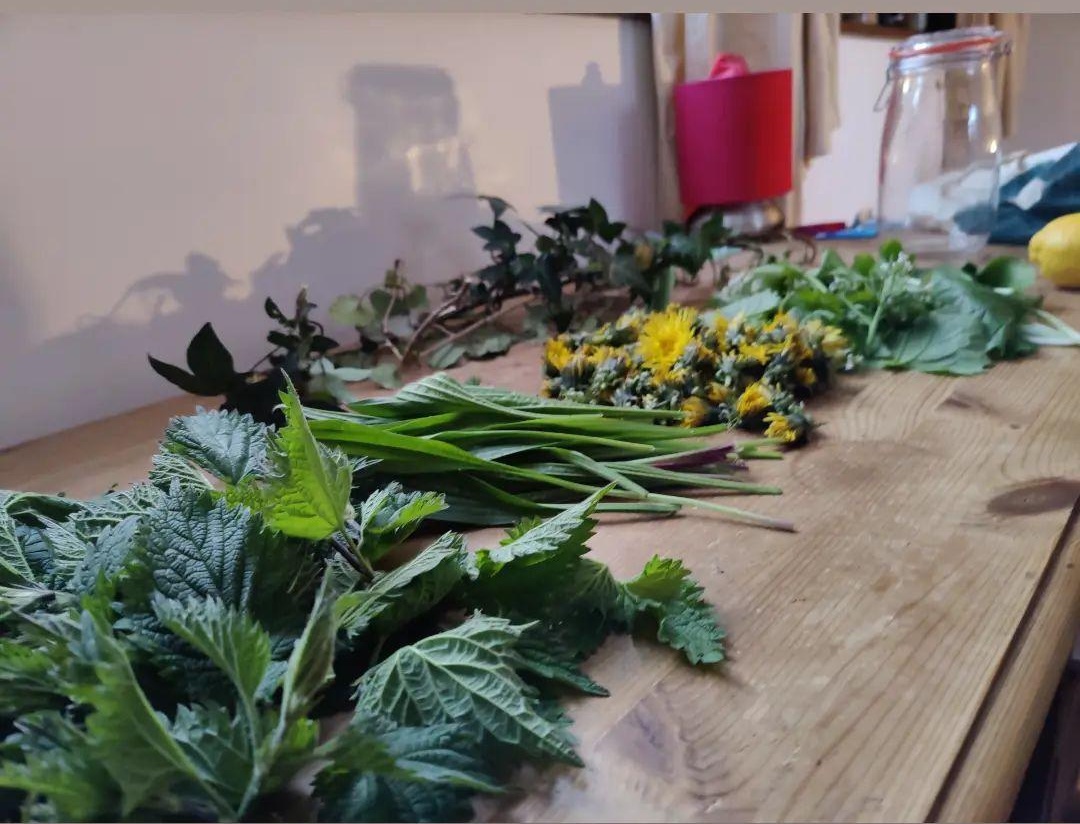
941, 146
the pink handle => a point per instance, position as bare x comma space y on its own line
728, 65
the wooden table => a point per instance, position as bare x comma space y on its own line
893, 661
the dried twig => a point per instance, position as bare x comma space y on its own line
506, 308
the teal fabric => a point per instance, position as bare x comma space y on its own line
1015, 226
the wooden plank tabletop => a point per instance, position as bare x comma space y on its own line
892, 661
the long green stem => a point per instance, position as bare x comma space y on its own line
354, 547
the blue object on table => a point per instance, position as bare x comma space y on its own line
1023, 213
860, 231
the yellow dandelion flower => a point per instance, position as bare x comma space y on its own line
755, 398
695, 411
599, 354
677, 375
717, 393
664, 337
833, 341
796, 347
720, 325
806, 376
782, 320
759, 352
780, 428
557, 354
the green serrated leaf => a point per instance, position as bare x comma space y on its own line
392, 773
235, 642
464, 675
406, 592
311, 664
198, 546
545, 655
14, 566
229, 445
307, 494
110, 553
218, 744
390, 515
133, 741
61, 770
685, 621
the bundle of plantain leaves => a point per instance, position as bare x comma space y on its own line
498, 456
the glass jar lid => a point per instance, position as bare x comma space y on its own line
954, 45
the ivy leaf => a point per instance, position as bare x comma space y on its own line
349, 310
307, 494
446, 356
385, 375
208, 359
497, 204
464, 675
236, 643
198, 546
390, 515
226, 444
485, 342
406, 592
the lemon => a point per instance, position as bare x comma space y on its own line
1055, 249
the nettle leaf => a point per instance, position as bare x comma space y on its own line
68, 549
464, 675
685, 621
307, 496
28, 678
106, 558
166, 467
229, 445
406, 592
60, 770
199, 546
14, 565
311, 664
547, 656
218, 745
390, 773
535, 540
133, 741
235, 642
390, 515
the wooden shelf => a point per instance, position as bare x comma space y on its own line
858, 29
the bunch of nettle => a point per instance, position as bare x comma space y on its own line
716, 370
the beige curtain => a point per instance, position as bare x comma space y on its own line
1018, 27
684, 48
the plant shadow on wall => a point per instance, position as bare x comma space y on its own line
598, 133
411, 170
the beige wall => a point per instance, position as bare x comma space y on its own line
158, 171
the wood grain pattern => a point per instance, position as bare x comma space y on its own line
892, 661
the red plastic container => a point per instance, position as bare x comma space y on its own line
733, 134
